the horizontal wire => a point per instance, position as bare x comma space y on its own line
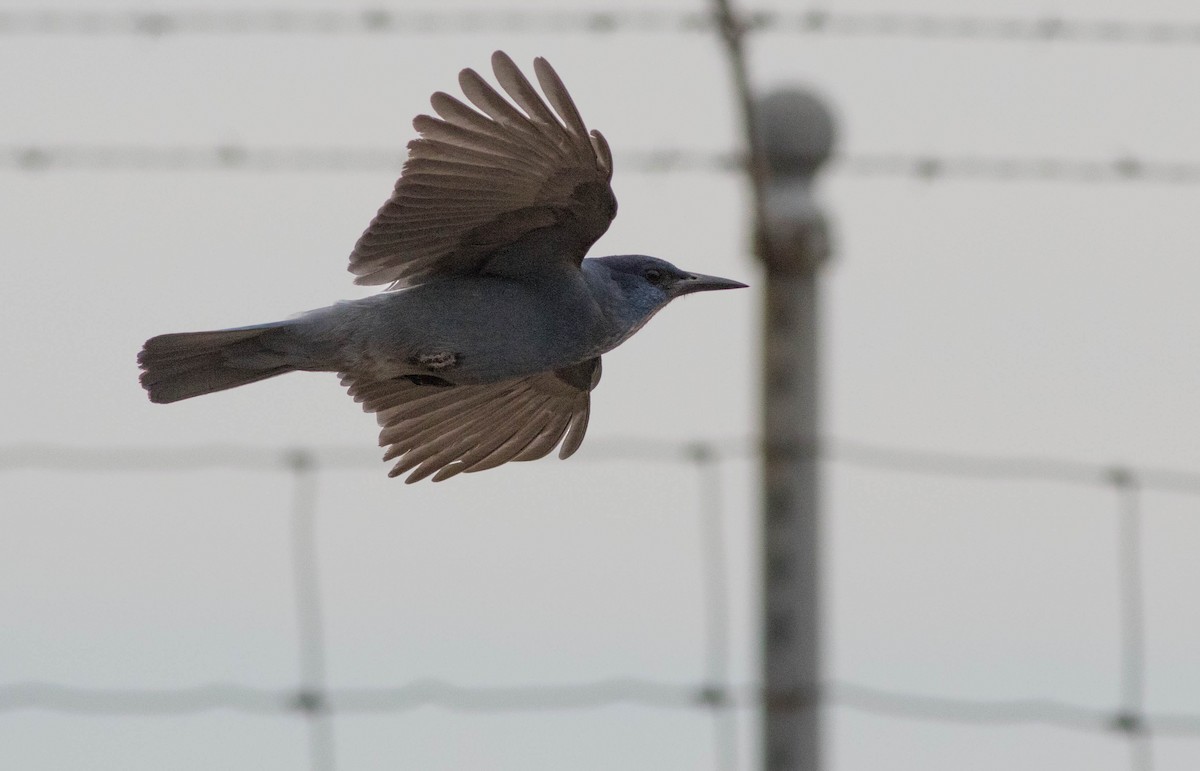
152, 458
149, 701
813, 21
266, 159
1010, 468
943, 709
438, 693
119, 157
905, 460
611, 692
1008, 711
160, 458
908, 460
414, 695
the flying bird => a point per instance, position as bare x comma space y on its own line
486, 345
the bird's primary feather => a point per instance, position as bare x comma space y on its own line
478, 179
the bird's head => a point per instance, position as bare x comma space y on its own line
648, 283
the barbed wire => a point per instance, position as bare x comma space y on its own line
413, 695
834, 450
313, 698
597, 694
318, 702
1009, 711
1124, 169
812, 21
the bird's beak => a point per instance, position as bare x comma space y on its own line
698, 282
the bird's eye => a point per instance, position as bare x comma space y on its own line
655, 276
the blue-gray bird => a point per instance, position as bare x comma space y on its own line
487, 344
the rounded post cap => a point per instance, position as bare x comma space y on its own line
797, 131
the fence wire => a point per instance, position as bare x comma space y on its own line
1125, 169
812, 21
453, 697
313, 698
317, 702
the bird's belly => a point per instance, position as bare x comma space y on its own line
475, 333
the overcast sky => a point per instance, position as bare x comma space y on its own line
1028, 318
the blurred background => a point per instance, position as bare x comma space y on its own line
1010, 459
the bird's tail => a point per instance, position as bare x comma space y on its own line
180, 366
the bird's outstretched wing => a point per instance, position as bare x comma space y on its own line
477, 181
450, 429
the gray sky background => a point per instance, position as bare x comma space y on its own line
998, 318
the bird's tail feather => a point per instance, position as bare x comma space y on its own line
180, 366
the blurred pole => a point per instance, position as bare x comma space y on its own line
796, 135
790, 135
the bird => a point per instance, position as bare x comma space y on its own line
485, 346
